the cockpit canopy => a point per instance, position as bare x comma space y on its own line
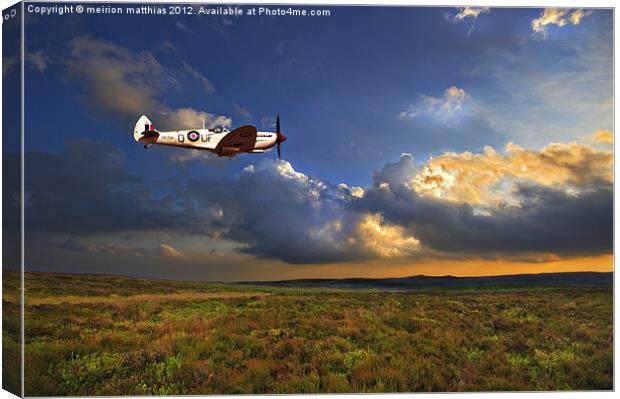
219, 129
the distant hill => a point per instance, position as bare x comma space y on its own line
421, 282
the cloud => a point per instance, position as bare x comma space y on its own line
169, 250
38, 60
242, 112
268, 122
110, 248
556, 16
491, 179
182, 27
195, 73
549, 221
117, 79
601, 137
385, 240
540, 217
521, 204
184, 155
9, 64
189, 118
167, 46
344, 190
94, 193
577, 15
306, 220
471, 13
533, 97
130, 83
451, 102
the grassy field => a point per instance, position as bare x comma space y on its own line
102, 335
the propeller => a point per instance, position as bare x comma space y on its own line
279, 136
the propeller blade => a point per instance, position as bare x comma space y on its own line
278, 150
278, 125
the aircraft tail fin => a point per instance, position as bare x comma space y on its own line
143, 125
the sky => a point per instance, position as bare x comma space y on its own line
461, 141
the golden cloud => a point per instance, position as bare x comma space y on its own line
470, 12
384, 240
488, 179
602, 137
558, 17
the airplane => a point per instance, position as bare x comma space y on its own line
218, 140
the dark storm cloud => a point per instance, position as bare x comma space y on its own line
88, 190
272, 211
548, 221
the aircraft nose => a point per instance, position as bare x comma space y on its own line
282, 138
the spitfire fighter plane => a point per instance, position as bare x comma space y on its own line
218, 140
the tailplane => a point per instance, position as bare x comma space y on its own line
143, 126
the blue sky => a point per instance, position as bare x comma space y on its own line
354, 90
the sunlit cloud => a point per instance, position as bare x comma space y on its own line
558, 17
469, 13
354, 191
385, 240
520, 204
490, 179
601, 137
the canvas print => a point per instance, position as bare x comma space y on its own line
211, 199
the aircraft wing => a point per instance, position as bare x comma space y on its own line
242, 139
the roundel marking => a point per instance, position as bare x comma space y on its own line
193, 136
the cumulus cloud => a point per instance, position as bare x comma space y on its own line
450, 103
130, 83
490, 179
558, 17
354, 191
549, 221
385, 240
521, 203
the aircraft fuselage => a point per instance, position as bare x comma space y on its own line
220, 141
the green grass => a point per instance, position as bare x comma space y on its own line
104, 335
